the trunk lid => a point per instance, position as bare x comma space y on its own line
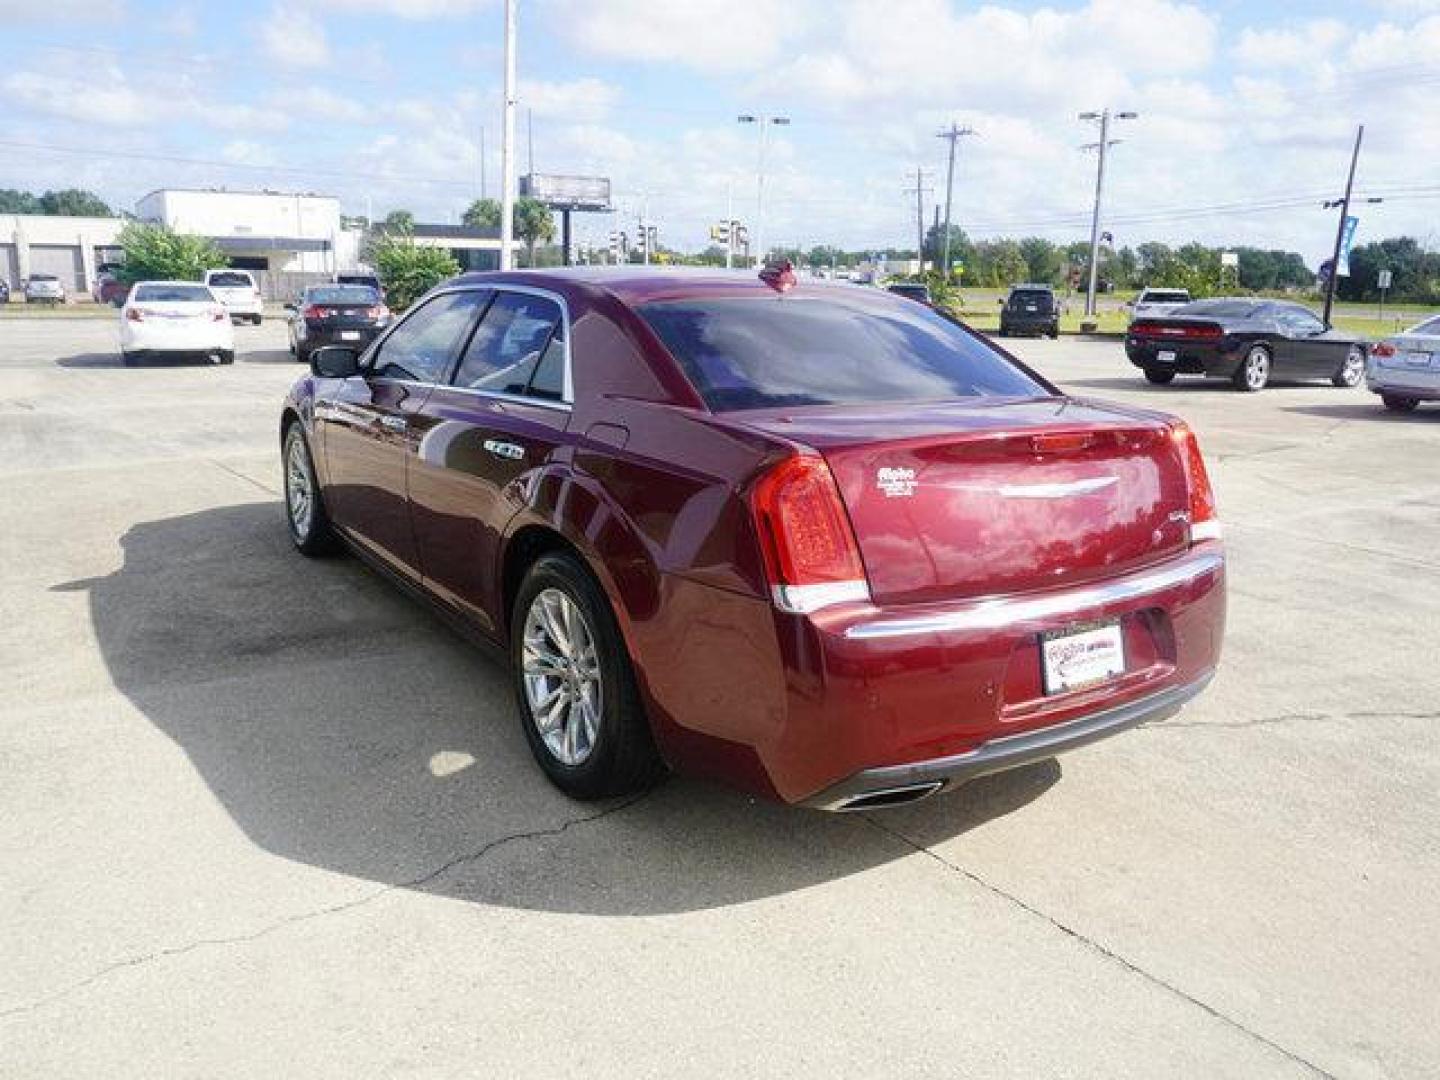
960, 500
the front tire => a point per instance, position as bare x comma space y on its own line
1159, 376
1395, 403
310, 528
1351, 370
578, 702
1254, 371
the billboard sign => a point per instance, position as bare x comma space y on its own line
568, 192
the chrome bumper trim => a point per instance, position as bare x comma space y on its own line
1005, 611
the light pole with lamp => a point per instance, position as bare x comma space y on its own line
764, 123
1103, 146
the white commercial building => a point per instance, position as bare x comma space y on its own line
69, 247
287, 238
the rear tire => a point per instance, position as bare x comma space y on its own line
129, 359
1159, 376
1351, 370
227, 356
1254, 371
1394, 403
566, 648
310, 528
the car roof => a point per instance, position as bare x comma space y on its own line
644, 284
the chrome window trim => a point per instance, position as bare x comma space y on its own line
492, 287
995, 613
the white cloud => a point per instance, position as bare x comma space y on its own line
579, 101
707, 35
106, 101
1303, 45
293, 37
246, 152
53, 12
406, 9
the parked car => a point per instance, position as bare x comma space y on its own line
1157, 303
1030, 309
236, 289
1405, 369
1247, 341
823, 543
174, 319
109, 289
44, 289
335, 314
4, 291
911, 290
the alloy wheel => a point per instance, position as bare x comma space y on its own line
1354, 368
299, 489
561, 669
1257, 369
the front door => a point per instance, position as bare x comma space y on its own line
365, 425
484, 441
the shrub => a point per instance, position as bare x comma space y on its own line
155, 253
406, 270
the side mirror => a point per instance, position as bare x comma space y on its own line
335, 362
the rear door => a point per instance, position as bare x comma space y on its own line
484, 435
365, 424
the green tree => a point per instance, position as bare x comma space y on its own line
154, 252
72, 202
407, 270
533, 223
1044, 262
961, 250
400, 219
18, 202
483, 214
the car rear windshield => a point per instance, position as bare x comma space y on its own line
1162, 296
748, 353
174, 294
1042, 299
1225, 309
43, 277
345, 294
232, 281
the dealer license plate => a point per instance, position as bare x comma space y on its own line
1082, 656
1417, 359
1165, 356
349, 335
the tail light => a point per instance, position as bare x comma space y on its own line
379, 313
1204, 520
313, 312
805, 535
217, 314
1180, 332
134, 314
1383, 348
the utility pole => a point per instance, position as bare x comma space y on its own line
530, 139
954, 134
507, 146
763, 122
919, 192
1344, 205
1103, 147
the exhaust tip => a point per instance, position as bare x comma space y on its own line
896, 796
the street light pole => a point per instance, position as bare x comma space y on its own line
764, 122
507, 146
1103, 147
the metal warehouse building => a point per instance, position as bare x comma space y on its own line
68, 247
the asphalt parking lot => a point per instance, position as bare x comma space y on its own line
262, 816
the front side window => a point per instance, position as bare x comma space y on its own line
421, 348
744, 353
517, 349
1299, 322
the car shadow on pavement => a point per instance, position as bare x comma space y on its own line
1368, 410
91, 360
343, 726
267, 356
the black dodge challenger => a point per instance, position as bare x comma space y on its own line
1248, 341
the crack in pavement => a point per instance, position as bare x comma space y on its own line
242, 476
1285, 718
1097, 947
318, 913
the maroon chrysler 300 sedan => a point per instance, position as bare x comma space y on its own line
821, 542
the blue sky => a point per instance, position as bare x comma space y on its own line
1247, 109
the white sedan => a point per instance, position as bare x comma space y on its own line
175, 318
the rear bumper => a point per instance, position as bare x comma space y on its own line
1420, 383
317, 337
915, 780
1029, 324
1189, 359
212, 337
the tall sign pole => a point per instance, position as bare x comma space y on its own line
954, 134
1340, 228
507, 146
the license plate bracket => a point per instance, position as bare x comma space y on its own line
1082, 655
1165, 356
349, 335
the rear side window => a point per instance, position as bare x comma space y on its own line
771, 352
181, 294
1225, 309
1429, 328
519, 339
230, 279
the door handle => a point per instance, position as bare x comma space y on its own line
395, 423
505, 450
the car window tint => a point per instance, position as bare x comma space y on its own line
231, 280
506, 349
420, 348
762, 353
178, 294
1298, 321
548, 379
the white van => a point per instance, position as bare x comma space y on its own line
237, 290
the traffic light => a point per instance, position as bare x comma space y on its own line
720, 233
